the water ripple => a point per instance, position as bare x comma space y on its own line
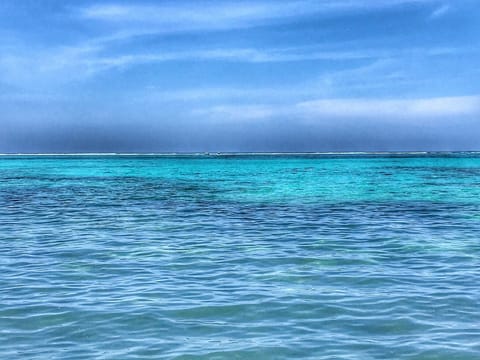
240, 258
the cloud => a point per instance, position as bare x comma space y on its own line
252, 55
74, 63
208, 93
23, 66
210, 15
329, 109
439, 12
239, 112
48, 67
196, 16
403, 108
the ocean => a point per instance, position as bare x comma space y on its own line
240, 256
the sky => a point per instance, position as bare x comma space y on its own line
188, 76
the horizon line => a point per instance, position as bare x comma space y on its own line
220, 153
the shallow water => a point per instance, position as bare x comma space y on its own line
240, 257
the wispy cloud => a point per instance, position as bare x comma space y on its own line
329, 109
255, 55
49, 67
214, 94
403, 108
71, 63
439, 12
85, 59
53, 66
138, 19
239, 112
227, 15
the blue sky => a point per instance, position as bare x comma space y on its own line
292, 75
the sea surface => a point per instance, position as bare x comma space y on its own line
224, 256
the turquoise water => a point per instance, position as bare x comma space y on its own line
240, 257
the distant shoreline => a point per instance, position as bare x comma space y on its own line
213, 154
